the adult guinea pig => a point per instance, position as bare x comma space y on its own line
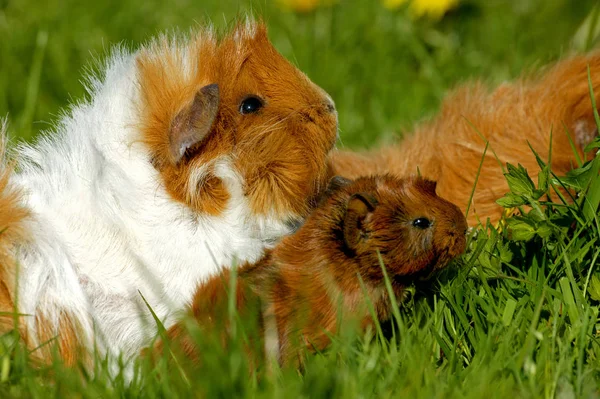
301, 292
450, 148
189, 154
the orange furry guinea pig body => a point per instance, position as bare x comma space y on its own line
450, 148
303, 290
190, 153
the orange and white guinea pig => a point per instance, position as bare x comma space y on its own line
450, 148
189, 155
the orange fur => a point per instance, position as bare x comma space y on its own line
304, 289
65, 345
280, 151
449, 149
12, 232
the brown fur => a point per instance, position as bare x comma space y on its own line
280, 151
449, 149
12, 231
309, 284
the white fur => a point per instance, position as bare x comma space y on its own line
104, 228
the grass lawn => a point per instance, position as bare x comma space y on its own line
515, 316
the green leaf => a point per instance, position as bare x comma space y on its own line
544, 230
594, 287
536, 215
580, 178
520, 229
504, 252
586, 179
511, 200
593, 145
518, 180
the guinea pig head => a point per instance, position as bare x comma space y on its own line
231, 118
414, 230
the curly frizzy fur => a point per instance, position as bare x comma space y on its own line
449, 149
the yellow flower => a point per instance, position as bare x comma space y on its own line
300, 5
432, 8
393, 4
506, 213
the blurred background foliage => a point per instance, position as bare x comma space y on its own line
386, 63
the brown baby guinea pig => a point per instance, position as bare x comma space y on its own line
303, 290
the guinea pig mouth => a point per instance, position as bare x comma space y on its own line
423, 274
428, 272
436, 264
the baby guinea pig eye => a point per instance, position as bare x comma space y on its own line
421, 223
250, 105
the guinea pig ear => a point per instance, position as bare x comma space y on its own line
193, 123
359, 207
428, 185
337, 182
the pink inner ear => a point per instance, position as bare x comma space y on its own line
359, 209
192, 124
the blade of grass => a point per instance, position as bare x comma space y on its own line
163, 334
573, 146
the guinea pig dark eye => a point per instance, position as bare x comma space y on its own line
422, 223
251, 105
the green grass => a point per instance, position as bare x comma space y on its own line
517, 315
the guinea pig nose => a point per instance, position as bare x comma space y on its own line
329, 104
330, 107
